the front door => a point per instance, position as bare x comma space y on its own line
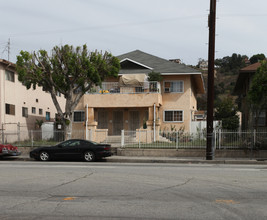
117, 122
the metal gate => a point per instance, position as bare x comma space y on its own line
134, 120
117, 122
102, 120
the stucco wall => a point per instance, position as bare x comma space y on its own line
15, 93
122, 100
178, 101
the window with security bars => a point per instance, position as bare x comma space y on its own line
78, 116
173, 116
174, 86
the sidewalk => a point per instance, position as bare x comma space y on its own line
174, 160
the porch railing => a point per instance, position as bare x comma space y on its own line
115, 88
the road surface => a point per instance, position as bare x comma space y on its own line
80, 190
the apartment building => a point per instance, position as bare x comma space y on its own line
19, 107
131, 102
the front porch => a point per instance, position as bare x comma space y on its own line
114, 120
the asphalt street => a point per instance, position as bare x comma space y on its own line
104, 190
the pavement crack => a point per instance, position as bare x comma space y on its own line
166, 188
178, 185
72, 181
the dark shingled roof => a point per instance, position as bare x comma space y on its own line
153, 63
245, 73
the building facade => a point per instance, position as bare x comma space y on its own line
19, 107
241, 89
131, 102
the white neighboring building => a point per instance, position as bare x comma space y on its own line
19, 107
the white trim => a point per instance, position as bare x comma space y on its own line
140, 64
173, 110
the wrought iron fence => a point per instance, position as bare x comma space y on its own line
142, 138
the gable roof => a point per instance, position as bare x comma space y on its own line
245, 73
251, 68
156, 64
139, 62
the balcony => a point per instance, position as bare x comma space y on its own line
114, 87
112, 95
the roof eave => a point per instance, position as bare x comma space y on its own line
194, 73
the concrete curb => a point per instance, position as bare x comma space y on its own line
171, 160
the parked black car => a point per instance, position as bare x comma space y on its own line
72, 149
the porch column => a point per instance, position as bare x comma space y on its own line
91, 123
150, 122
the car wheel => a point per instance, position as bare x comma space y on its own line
89, 156
44, 156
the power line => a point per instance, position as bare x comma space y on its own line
103, 27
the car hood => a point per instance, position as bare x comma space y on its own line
42, 148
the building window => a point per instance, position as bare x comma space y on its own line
174, 86
47, 116
40, 111
78, 116
173, 116
25, 112
10, 76
261, 119
33, 110
10, 109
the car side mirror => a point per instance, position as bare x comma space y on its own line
60, 146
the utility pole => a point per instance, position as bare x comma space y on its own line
210, 101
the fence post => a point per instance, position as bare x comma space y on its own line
3, 138
139, 144
215, 138
177, 140
254, 137
32, 137
220, 138
18, 131
122, 138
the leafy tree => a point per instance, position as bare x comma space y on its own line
153, 76
227, 113
69, 71
257, 94
231, 65
256, 58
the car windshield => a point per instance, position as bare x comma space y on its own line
70, 143
92, 142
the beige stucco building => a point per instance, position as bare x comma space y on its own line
19, 107
130, 101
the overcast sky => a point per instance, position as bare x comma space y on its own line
166, 28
